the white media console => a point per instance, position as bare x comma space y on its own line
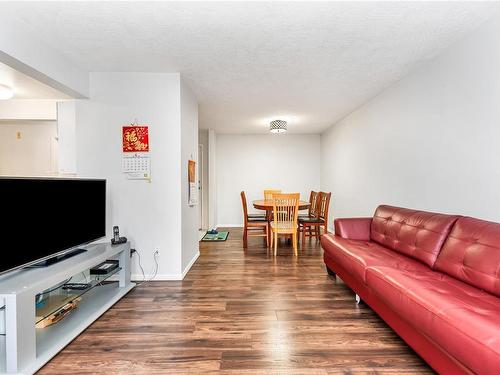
23, 348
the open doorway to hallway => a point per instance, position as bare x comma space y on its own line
203, 182
29, 129
200, 187
207, 177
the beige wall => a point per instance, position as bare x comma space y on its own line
28, 148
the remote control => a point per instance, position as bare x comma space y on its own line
76, 286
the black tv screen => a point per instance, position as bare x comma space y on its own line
43, 217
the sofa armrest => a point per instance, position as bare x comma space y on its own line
353, 228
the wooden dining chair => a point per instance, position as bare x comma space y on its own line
313, 205
268, 195
285, 214
311, 226
312, 212
253, 225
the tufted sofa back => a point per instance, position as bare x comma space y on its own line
417, 234
472, 254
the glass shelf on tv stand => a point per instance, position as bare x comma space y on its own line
57, 298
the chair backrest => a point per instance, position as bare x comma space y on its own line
268, 193
286, 208
313, 200
244, 203
323, 205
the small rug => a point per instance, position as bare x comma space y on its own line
221, 236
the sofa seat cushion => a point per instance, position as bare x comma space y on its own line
417, 234
461, 319
355, 256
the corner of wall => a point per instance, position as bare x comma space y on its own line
189, 151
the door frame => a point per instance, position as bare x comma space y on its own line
201, 216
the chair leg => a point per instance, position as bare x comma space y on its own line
276, 244
303, 235
295, 252
318, 232
267, 235
245, 238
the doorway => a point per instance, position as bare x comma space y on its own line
200, 187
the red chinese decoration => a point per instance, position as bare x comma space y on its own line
135, 139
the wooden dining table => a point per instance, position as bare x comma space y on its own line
268, 205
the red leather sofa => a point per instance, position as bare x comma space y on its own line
434, 278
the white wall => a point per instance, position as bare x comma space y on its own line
189, 151
430, 142
66, 123
149, 214
28, 148
27, 109
255, 162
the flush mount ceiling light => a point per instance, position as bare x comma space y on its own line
6, 92
277, 126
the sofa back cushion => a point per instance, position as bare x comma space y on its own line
417, 234
472, 254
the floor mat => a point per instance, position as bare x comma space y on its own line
221, 236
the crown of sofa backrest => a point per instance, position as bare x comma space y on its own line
417, 234
471, 253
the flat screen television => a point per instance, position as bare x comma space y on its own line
43, 218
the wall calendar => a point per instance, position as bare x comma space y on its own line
136, 165
136, 161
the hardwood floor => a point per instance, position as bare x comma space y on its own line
241, 313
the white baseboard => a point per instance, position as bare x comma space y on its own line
159, 277
229, 225
165, 276
190, 264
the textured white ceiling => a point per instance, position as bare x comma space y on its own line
310, 63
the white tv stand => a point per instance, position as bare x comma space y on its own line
24, 349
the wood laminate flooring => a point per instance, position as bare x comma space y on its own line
241, 312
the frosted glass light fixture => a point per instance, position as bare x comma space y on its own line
6, 92
277, 126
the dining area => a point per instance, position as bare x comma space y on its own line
286, 216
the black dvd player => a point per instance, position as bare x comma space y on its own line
104, 268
